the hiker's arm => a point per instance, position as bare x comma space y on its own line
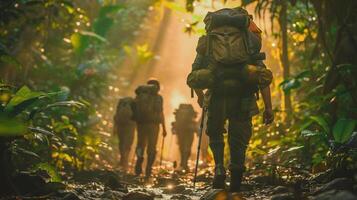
199, 63
164, 132
268, 116
200, 97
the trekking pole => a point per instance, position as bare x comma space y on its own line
162, 150
199, 146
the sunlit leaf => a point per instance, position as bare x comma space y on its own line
343, 129
69, 7
93, 35
174, 6
23, 98
51, 170
79, 43
293, 149
309, 133
259, 151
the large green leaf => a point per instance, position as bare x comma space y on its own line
105, 10
102, 25
322, 122
23, 98
103, 22
290, 84
343, 129
79, 42
51, 170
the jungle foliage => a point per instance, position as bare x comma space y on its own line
315, 128
57, 58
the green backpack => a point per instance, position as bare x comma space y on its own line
228, 39
148, 104
124, 112
230, 47
185, 117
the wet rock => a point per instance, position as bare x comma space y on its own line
187, 192
174, 190
214, 194
30, 183
138, 196
104, 176
112, 195
165, 181
336, 184
345, 195
54, 186
334, 194
148, 192
113, 183
70, 196
280, 190
283, 196
206, 177
322, 177
246, 187
265, 180
180, 197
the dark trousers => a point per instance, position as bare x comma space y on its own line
147, 140
220, 111
126, 139
185, 140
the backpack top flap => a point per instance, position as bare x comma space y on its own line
236, 17
146, 89
185, 112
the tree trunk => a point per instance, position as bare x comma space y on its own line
284, 56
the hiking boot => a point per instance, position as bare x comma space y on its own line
236, 180
151, 160
219, 179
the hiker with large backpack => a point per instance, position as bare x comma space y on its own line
148, 114
124, 128
184, 127
229, 65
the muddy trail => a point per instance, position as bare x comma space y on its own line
177, 185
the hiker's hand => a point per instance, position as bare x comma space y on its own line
164, 133
200, 100
268, 116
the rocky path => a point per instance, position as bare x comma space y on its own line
171, 185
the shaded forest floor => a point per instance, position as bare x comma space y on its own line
166, 184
